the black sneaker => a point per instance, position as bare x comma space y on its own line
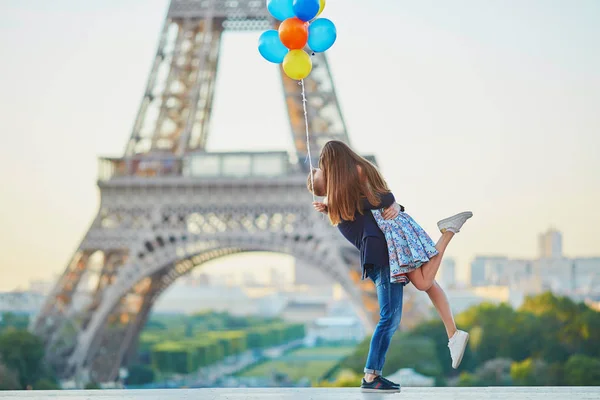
380, 385
390, 382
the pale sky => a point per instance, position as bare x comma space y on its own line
492, 106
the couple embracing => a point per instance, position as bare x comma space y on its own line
394, 249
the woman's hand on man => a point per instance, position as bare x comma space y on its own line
391, 212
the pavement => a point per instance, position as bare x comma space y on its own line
493, 393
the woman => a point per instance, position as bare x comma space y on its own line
353, 185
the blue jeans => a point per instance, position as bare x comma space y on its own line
389, 296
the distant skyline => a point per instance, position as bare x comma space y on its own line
489, 106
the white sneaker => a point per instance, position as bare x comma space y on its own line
454, 223
457, 345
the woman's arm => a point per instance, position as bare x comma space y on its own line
386, 201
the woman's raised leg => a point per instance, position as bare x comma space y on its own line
424, 277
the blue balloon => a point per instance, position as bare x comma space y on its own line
271, 48
306, 10
321, 35
281, 9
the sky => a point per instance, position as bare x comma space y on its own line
490, 106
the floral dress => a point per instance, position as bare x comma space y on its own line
409, 246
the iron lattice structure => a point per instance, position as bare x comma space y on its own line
168, 205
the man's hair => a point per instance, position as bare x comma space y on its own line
309, 183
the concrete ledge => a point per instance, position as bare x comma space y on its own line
499, 393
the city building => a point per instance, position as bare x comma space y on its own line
586, 275
304, 310
551, 271
488, 270
185, 298
21, 302
550, 244
447, 272
337, 329
461, 299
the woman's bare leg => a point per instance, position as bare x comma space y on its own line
440, 301
423, 278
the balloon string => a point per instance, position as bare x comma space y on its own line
312, 179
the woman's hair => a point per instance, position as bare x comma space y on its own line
345, 185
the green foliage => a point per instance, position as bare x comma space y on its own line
8, 379
345, 378
233, 342
180, 353
581, 370
405, 351
542, 344
467, 379
312, 370
435, 331
45, 384
494, 329
329, 352
495, 372
589, 325
173, 357
23, 353
140, 375
92, 386
10, 320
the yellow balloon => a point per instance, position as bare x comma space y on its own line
322, 7
297, 64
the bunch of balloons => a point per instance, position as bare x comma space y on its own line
299, 28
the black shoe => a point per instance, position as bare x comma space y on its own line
390, 382
379, 385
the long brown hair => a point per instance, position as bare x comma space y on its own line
345, 185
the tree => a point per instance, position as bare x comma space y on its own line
11, 320
581, 370
467, 380
140, 375
45, 384
405, 351
562, 307
8, 379
23, 352
590, 332
495, 372
435, 331
491, 327
531, 372
562, 322
346, 378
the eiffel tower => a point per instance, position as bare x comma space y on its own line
168, 205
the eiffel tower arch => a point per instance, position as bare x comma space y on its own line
168, 205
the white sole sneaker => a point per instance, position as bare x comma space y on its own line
457, 347
455, 222
398, 390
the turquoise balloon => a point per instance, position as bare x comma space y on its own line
306, 10
271, 48
281, 9
321, 35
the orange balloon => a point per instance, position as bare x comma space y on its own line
293, 33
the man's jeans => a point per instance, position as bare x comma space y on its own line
389, 296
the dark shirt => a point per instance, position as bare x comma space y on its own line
365, 235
